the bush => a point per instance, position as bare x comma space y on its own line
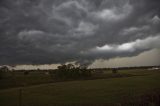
114, 71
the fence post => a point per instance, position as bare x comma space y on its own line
20, 97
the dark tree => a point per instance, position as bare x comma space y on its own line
3, 71
69, 71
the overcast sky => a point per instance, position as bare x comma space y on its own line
90, 32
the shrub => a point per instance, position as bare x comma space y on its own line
114, 71
26, 72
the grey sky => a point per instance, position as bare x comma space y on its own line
84, 31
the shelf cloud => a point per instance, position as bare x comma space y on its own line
139, 44
81, 31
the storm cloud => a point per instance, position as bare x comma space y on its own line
81, 31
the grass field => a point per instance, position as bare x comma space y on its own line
96, 91
17, 79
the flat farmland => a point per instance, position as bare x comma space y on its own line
109, 90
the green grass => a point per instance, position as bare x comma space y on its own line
98, 91
17, 79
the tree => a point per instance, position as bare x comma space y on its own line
1, 74
4, 68
69, 71
3, 71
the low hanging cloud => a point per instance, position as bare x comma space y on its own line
81, 31
139, 44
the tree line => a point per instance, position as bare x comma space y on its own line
70, 71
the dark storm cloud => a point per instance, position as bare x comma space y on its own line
58, 31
